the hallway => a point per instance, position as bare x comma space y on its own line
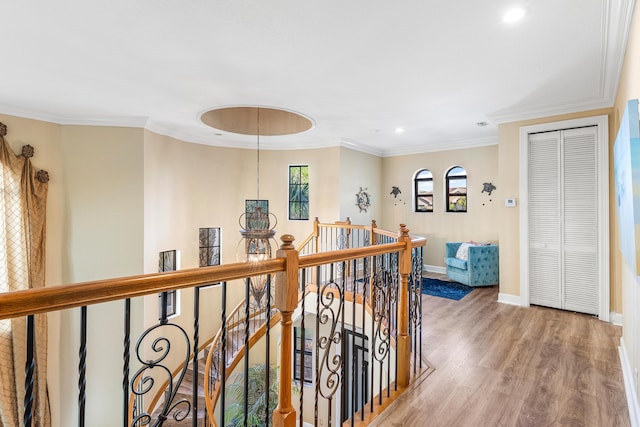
501, 365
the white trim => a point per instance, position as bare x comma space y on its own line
629, 386
509, 299
435, 269
616, 22
602, 122
461, 144
75, 119
615, 318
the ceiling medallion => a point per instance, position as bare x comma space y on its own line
257, 120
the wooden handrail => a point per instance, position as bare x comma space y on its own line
43, 300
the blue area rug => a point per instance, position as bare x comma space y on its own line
440, 288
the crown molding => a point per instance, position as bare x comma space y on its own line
616, 23
517, 115
353, 145
443, 146
79, 120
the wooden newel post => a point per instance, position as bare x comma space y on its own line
404, 341
286, 302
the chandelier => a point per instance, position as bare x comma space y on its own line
257, 223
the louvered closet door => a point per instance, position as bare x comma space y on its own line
563, 220
544, 219
580, 219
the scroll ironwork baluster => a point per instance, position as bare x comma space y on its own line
161, 346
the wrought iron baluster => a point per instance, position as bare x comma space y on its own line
195, 373
29, 371
126, 356
374, 303
317, 347
302, 348
389, 316
267, 374
363, 376
354, 356
141, 383
246, 350
223, 357
395, 286
82, 367
163, 308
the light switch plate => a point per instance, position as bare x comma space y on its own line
510, 203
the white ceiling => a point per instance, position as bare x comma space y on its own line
357, 68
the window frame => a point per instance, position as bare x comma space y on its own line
416, 194
209, 246
297, 193
168, 261
448, 177
302, 354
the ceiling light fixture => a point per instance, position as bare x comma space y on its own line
399, 130
514, 15
257, 224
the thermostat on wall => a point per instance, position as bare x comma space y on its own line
510, 203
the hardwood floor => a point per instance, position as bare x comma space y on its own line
500, 365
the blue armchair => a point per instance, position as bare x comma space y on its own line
479, 269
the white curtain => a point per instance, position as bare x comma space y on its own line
22, 239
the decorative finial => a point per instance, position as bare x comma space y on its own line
287, 241
3, 129
43, 176
404, 231
28, 151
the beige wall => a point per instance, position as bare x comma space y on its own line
359, 170
103, 200
509, 166
629, 88
482, 219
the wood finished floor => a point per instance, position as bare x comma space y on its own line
500, 365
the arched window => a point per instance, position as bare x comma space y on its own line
456, 189
423, 191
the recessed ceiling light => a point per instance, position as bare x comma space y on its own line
514, 15
399, 130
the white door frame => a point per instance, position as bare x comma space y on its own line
603, 206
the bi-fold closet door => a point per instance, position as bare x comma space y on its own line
563, 219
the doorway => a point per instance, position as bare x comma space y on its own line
564, 215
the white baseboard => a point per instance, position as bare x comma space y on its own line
435, 269
629, 386
509, 299
615, 318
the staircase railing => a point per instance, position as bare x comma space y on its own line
389, 265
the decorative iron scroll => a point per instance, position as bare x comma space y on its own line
142, 383
415, 305
330, 309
